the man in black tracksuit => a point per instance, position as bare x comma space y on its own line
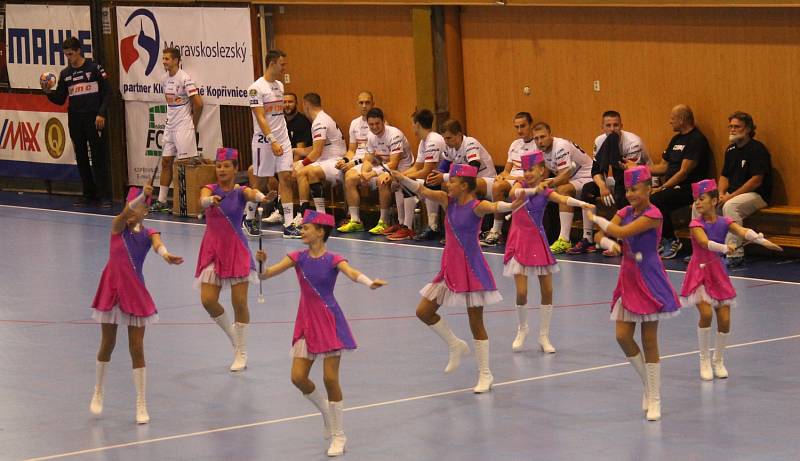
84, 82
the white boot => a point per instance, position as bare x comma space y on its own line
719, 350
140, 379
545, 313
324, 408
703, 338
240, 347
653, 391
96, 406
485, 378
638, 364
225, 323
456, 346
522, 329
338, 440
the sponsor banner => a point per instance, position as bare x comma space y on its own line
33, 39
215, 45
34, 139
144, 123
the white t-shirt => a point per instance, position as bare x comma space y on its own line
567, 154
270, 96
469, 151
359, 132
178, 90
391, 142
517, 149
324, 128
632, 148
431, 148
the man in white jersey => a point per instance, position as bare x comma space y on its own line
358, 132
184, 106
512, 172
467, 150
272, 148
321, 158
614, 151
572, 169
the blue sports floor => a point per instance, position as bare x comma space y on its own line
580, 403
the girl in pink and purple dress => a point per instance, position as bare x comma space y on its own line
320, 330
225, 259
643, 293
122, 297
707, 284
527, 251
465, 278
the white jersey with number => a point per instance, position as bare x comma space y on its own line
517, 149
631, 148
431, 148
178, 91
471, 150
269, 95
566, 154
391, 142
359, 132
325, 129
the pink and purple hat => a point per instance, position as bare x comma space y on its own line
635, 175
315, 217
227, 153
134, 192
531, 158
463, 170
701, 187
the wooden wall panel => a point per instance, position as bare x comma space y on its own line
647, 60
340, 51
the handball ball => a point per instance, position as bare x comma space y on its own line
47, 80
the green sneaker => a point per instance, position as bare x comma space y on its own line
560, 246
351, 226
157, 207
379, 228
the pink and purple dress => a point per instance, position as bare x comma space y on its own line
707, 277
320, 329
465, 278
225, 257
122, 297
527, 252
643, 292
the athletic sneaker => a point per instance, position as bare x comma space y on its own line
662, 244
404, 233
391, 229
297, 221
379, 228
250, 226
610, 253
560, 246
490, 238
351, 226
671, 248
427, 234
274, 218
291, 232
734, 261
157, 207
584, 246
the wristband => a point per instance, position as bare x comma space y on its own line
364, 280
162, 250
572, 201
717, 247
503, 207
446, 177
608, 244
411, 184
260, 196
206, 202
752, 235
601, 222
137, 201
307, 161
271, 138
526, 191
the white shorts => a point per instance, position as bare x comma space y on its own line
489, 186
578, 184
266, 164
332, 174
373, 183
180, 143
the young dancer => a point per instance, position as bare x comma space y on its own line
225, 259
527, 252
465, 278
321, 330
707, 284
122, 297
643, 293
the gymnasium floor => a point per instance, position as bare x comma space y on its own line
581, 403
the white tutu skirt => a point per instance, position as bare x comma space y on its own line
443, 296
700, 295
620, 314
513, 267
300, 350
209, 276
117, 317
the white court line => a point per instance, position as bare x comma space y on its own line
383, 404
567, 261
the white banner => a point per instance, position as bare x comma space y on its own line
33, 39
144, 124
215, 45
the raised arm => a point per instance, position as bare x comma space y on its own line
120, 221
437, 196
359, 277
161, 249
615, 229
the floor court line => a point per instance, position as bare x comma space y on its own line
385, 403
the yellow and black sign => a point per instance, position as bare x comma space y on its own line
55, 138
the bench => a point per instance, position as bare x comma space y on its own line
779, 223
